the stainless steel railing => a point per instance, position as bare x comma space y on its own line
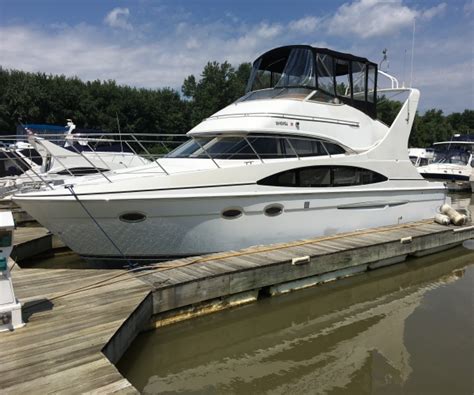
149, 148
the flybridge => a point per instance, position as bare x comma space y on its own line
318, 74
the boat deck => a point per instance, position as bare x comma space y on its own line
79, 322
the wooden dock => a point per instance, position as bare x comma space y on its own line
61, 346
79, 322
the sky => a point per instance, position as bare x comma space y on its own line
157, 44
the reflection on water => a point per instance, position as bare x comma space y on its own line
404, 328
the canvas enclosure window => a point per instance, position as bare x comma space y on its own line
324, 66
343, 82
299, 69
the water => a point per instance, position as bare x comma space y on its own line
403, 329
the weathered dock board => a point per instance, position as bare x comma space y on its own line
79, 322
60, 348
269, 269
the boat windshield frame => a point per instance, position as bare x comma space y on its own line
329, 76
254, 146
449, 155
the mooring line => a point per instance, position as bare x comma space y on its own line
71, 189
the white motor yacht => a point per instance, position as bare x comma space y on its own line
301, 154
452, 163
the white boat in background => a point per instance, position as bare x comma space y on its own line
453, 163
302, 154
421, 156
471, 180
40, 163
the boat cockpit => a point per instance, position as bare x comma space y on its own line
315, 74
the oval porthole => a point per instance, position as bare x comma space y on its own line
273, 210
231, 213
132, 217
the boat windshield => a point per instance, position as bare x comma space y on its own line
254, 146
453, 156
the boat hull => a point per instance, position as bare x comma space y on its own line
194, 225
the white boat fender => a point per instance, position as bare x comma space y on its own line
442, 219
455, 217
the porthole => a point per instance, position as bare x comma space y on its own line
132, 217
231, 213
273, 210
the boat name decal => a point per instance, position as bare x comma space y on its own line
283, 123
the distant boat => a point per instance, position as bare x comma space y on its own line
40, 162
453, 163
420, 156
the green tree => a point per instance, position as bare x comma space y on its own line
220, 85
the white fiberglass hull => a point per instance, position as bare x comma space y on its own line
455, 176
194, 225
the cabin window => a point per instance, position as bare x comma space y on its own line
132, 217
254, 146
314, 177
323, 176
232, 213
273, 210
32, 155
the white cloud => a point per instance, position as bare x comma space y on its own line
432, 12
372, 18
369, 18
118, 18
268, 31
305, 25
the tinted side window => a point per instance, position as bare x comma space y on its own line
315, 177
323, 176
334, 149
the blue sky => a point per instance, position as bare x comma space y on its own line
157, 43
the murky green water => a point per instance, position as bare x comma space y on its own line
404, 329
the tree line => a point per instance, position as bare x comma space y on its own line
103, 105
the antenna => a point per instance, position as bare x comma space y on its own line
412, 53
404, 68
384, 59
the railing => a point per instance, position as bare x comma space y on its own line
26, 160
146, 148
